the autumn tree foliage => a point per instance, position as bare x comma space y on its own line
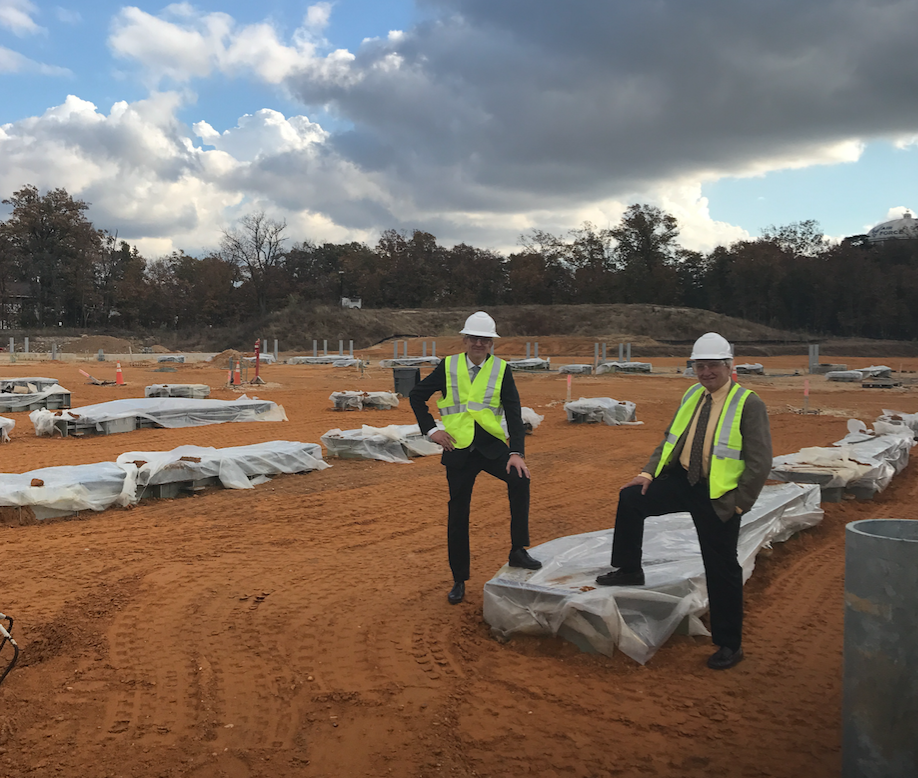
56, 266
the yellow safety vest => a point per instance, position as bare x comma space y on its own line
727, 463
466, 402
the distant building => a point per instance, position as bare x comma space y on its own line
905, 228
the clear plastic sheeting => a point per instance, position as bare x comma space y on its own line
624, 367
335, 360
33, 384
395, 443
593, 410
70, 488
53, 396
900, 419
196, 391
236, 467
410, 362
863, 459
169, 412
562, 599
6, 427
531, 419
357, 401
859, 374
586, 369
533, 364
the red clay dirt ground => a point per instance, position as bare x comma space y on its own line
302, 629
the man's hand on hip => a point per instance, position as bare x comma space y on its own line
516, 461
444, 439
638, 480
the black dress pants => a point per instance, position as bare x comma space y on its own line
671, 492
461, 480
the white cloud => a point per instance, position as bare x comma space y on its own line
68, 15
16, 15
14, 62
182, 44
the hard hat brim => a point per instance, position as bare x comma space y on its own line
478, 333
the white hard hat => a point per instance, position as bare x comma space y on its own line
480, 324
712, 346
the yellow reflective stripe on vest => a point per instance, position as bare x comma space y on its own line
722, 444
689, 394
490, 388
452, 388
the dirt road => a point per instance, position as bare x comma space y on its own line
302, 629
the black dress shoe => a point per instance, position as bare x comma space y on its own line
621, 578
457, 593
519, 557
725, 658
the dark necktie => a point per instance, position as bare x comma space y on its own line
697, 453
474, 371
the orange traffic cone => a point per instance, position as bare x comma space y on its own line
734, 376
119, 376
237, 379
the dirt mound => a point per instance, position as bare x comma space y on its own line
225, 356
157, 349
91, 344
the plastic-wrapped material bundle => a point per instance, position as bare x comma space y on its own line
236, 467
395, 443
6, 427
53, 397
409, 362
898, 418
890, 443
531, 419
197, 391
34, 383
263, 359
335, 360
831, 468
563, 598
357, 401
754, 368
533, 364
180, 358
844, 375
169, 412
593, 410
624, 367
52, 491
586, 369
875, 371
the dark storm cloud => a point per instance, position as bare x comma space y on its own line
492, 102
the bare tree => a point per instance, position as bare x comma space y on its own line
255, 247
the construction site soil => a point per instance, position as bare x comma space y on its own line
301, 628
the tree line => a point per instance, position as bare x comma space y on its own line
57, 268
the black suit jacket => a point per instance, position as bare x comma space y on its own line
483, 441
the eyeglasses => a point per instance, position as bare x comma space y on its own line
477, 339
708, 364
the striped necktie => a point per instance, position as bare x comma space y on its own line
697, 453
474, 371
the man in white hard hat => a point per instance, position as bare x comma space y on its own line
477, 391
712, 462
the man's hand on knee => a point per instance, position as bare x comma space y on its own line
638, 480
517, 462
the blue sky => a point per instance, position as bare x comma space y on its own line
474, 120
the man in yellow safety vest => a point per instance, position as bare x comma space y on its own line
712, 462
477, 391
